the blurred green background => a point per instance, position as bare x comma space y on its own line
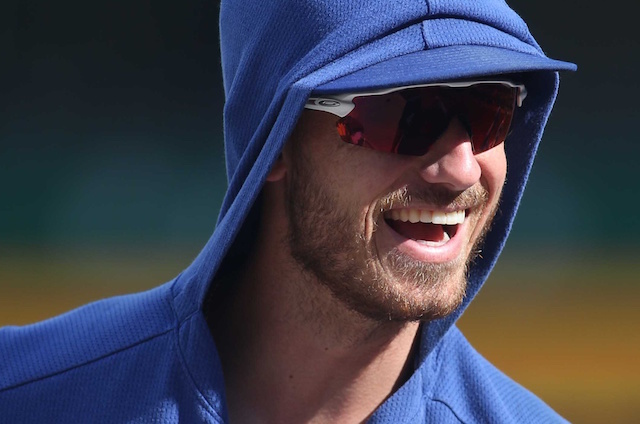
111, 174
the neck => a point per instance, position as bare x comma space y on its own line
292, 353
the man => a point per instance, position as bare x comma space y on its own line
368, 168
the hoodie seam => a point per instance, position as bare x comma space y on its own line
438, 351
211, 410
449, 408
411, 22
422, 24
479, 22
85, 363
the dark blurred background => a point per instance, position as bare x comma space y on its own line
111, 175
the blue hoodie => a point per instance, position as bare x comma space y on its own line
149, 357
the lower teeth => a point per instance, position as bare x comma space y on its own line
445, 239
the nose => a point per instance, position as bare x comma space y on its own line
450, 161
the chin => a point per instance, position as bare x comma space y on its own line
408, 291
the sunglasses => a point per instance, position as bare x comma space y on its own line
409, 120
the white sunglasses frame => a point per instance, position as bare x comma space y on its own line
342, 104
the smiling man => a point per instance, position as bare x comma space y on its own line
376, 152
413, 220
358, 245
405, 227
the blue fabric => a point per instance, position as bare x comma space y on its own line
149, 357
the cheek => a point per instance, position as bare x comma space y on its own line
356, 174
361, 176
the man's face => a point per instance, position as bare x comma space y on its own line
352, 214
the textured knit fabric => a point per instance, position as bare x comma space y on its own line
149, 357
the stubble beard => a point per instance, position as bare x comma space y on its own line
326, 241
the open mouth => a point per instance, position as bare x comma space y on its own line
427, 227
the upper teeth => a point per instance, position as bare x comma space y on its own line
428, 217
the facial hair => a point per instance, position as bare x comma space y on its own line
327, 241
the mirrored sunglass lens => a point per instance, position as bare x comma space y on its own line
424, 119
374, 121
489, 111
410, 121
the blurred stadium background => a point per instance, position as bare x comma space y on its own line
111, 173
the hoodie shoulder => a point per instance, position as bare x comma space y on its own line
81, 336
476, 391
115, 360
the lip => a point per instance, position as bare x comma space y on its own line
388, 239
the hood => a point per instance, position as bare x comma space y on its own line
276, 53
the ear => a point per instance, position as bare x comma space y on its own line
278, 170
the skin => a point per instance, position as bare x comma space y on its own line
295, 341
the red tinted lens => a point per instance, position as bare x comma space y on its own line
410, 121
487, 110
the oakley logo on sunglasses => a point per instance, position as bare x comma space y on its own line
409, 120
328, 103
